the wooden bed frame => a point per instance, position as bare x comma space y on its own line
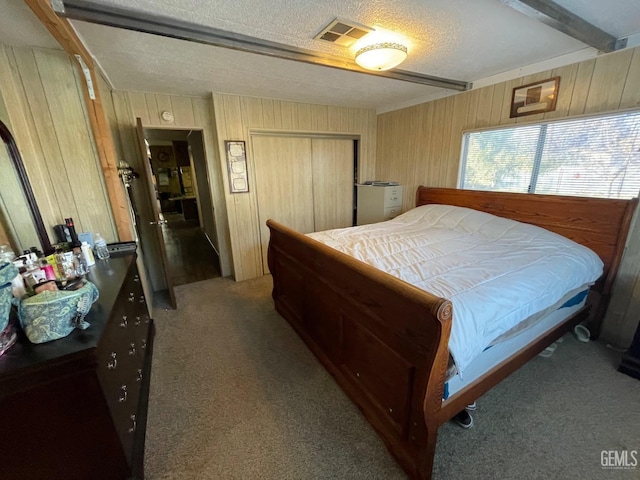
386, 341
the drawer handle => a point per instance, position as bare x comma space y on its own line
146, 319
139, 375
132, 349
141, 298
136, 278
393, 198
134, 424
132, 297
136, 322
113, 363
123, 394
124, 323
143, 344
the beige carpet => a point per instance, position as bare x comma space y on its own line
235, 394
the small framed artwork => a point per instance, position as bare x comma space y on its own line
237, 166
538, 97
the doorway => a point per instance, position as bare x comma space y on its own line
183, 194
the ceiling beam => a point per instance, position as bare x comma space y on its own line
561, 19
66, 36
170, 27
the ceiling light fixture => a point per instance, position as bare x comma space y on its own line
381, 56
149, 23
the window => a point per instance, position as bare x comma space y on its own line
592, 157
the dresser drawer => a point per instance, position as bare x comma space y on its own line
392, 212
121, 360
392, 196
121, 373
122, 365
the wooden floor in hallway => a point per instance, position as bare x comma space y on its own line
191, 256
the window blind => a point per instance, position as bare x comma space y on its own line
594, 157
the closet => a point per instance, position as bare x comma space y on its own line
305, 183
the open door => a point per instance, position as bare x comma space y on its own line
149, 224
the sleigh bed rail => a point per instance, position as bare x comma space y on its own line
383, 340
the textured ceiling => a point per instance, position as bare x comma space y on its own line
470, 40
19, 27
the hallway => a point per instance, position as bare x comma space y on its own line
191, 256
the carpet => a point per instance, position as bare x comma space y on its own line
235, 394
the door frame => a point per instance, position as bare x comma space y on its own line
211, 175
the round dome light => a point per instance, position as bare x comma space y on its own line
381, 56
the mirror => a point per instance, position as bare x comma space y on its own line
19, 213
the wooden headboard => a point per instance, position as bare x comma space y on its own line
598, 223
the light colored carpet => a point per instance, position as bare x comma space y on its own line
235, 394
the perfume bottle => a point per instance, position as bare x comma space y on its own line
72, 232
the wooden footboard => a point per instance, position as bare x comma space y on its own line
383, 340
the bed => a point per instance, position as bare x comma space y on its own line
386, 341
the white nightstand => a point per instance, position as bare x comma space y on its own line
378, 203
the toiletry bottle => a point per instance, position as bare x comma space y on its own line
58, 263
88, 254
72, 232
49, 272
79, 263
101, 247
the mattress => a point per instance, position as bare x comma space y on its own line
497, 272
499, 352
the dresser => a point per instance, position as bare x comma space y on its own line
378, 203
76, 408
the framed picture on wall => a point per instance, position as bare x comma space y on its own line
237, 166
538, 97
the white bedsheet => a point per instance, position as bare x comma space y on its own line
496, 272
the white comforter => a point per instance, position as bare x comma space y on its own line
496, 272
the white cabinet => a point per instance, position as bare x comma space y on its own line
378, 203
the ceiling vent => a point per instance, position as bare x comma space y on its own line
342, 32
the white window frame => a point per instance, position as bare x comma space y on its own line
536, 166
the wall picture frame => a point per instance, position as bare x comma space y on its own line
237, 166
533, 98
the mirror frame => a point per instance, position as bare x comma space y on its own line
14, 153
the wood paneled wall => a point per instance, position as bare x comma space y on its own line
42, 92
236, 116
421, 145
188, 113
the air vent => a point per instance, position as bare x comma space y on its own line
342, 32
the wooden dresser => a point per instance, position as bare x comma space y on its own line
76, 408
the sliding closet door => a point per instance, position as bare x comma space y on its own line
332, 162
284, 184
